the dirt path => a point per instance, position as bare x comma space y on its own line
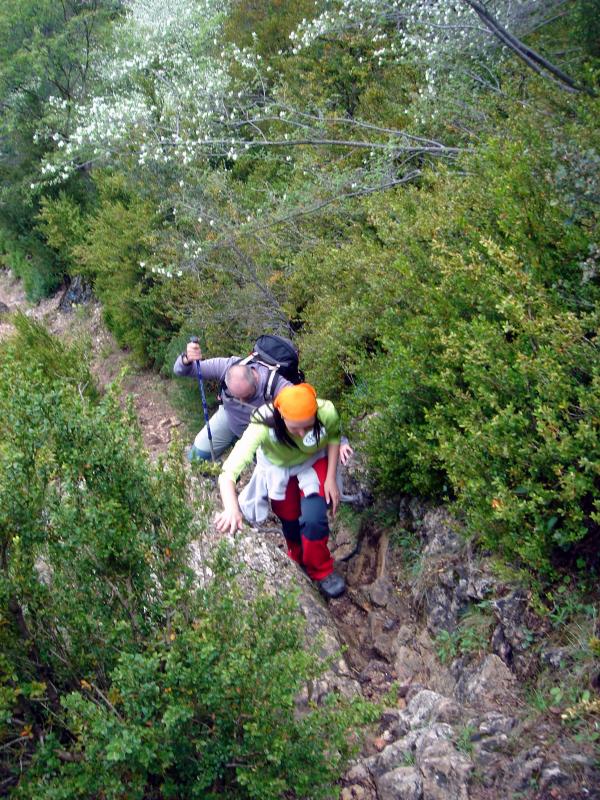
150, 392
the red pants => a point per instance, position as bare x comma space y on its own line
305, 526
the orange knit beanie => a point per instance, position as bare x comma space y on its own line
297, 403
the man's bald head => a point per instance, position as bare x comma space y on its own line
241, 381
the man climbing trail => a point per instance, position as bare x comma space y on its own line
297, 443
243, 389
245, 384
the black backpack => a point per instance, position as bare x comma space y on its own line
280, 356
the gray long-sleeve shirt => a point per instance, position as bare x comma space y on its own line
214, 369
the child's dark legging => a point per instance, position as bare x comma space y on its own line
305, 526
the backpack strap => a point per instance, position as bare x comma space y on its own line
270, 387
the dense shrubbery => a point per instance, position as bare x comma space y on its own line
488, 392
457, 311
117, 675
205, 710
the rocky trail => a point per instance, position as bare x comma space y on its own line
422, 614
461, 726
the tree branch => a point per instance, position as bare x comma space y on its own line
534, 60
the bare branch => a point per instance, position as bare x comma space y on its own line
534, 60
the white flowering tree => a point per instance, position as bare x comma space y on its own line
179, 108
159, 89
167, 96
444, 33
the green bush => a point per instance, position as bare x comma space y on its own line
47, 354
207, 710
116, 241
31, 261
60, 221
488, 391
80, 505
340, 293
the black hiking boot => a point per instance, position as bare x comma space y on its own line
332, 586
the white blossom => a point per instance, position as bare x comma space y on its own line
165, 45
440, 33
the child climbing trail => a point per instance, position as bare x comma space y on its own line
296, 440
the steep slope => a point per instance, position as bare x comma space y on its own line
479, 686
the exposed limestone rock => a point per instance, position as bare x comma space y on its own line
553, 775
377, 673
393, 756
343, 543
428, 736
379, 592
442, 607
408, 665
445, 772
358, 774
384, 645
501, 646
441, 533
490, 685
418, 663
448, 711
423, 708
512, 638
395, 723
403, 783
493, 723
407, 634
356, 483
491, 740
479, 584
524, 769
356, 792
556, 657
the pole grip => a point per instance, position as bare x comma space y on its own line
195, 340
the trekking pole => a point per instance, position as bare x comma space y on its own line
195, 340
